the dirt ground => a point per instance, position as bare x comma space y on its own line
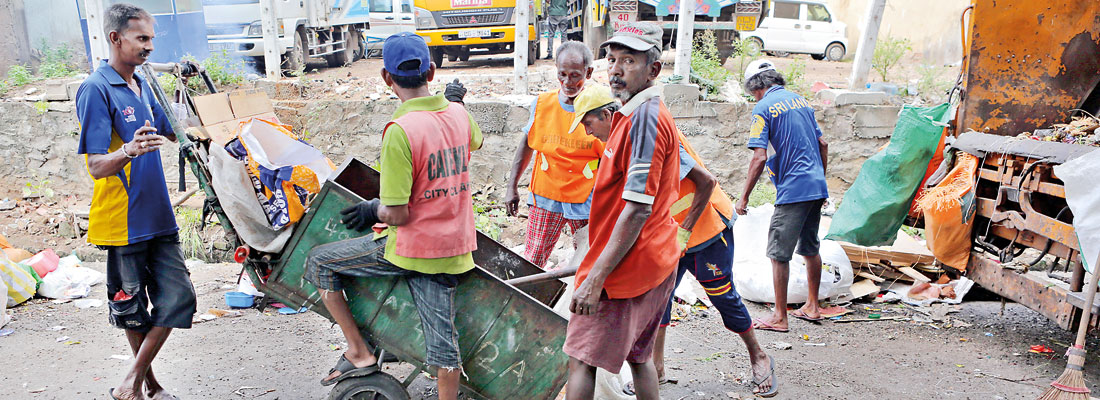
273, 356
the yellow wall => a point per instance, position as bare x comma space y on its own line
931, 25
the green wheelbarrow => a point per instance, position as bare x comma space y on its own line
510, 339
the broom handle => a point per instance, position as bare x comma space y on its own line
1086, 314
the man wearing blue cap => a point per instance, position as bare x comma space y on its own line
423, 218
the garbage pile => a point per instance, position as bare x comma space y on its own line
1083, 130
24, 275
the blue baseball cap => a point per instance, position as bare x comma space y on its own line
402, 47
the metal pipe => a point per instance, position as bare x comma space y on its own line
542, 277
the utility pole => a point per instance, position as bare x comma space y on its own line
523, 16
866, 50
685, 31
98, 41
272, 64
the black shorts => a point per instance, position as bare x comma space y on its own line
151, 272
795, 224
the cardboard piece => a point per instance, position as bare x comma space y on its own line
868, 275
912, 273
864, 288
221, 114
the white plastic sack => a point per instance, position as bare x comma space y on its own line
752, 269
273, 150
69, 280
1079, 178
237, 198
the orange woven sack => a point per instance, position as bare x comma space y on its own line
949, 210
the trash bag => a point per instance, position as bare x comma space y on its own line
949, 210
234, 188
1079, 178
4, 318
285, 171
876, 204
752, 269
21, 284
70, 280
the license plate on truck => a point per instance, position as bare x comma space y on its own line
218, 48
474, 33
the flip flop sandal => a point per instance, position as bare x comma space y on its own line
802, 316
764, 326
775, 381
112, 393
628, 388
348, 370
169, 397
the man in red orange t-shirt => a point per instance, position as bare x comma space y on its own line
627, 275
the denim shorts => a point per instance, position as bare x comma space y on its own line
150, 272
433, 294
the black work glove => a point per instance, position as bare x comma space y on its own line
362, 216
455, 92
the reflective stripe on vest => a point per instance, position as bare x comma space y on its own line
565, 166
441, 214
710, 223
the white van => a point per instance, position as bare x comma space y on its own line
794, 26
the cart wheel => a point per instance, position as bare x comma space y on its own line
376, 386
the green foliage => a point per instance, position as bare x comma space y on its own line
914, 232
223, 69
933, 82
888, 53
4, 87
762, 194
41, 106
56, 61
19, 75
795, 75
745, 51
706, 67
167, 83
40, 188
190, 222
489, 216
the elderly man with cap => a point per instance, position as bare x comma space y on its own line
783, 125
705, 210
625, 279
565, 159
427, 232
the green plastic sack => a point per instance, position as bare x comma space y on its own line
875, 206
30, 270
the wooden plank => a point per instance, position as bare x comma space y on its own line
912, 273
861, 254
873, 277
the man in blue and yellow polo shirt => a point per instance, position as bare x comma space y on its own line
121, 130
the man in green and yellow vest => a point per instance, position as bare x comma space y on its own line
427, 233
565, 159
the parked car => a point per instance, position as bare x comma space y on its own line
801, 27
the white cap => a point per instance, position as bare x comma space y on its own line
757, 67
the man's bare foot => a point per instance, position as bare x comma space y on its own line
811, 310
126, 393
160, 394
772, 323
763, 375
358, 360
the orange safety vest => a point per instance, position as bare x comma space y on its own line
710, 223
565, 162
441, 214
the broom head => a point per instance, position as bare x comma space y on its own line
1071, 385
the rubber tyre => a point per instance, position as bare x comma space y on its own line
758, 43
359, 50
296, 57
817, 56
781, 54
437, 56
532, 52
835, 52
464, 56
380, 385
341, 58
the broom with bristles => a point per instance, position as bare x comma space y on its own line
1071, 385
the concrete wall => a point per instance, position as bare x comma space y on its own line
933, 27
25, 24
37, 146
14, 46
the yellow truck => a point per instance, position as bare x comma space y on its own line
459, 28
